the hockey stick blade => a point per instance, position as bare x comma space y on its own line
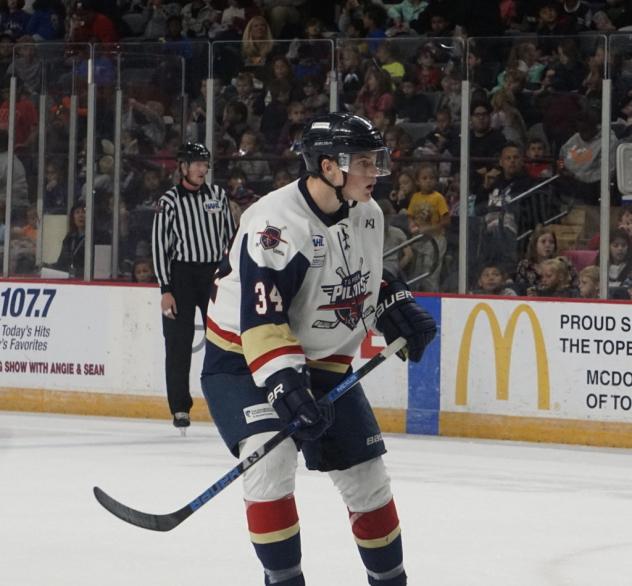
168, 521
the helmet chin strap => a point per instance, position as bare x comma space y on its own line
337, 188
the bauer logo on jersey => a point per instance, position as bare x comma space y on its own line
346, 300
270, 238
213, 206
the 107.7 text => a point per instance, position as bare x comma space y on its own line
28, 302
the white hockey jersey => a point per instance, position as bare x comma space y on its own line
299, 287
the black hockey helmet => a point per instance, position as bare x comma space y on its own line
193, 151
339, 135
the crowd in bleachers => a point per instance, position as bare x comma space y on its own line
535, 70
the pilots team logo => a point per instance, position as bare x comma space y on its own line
346, 300
503, 344
270, 238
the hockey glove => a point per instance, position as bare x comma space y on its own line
291, 397
399, 315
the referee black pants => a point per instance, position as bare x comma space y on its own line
191, 288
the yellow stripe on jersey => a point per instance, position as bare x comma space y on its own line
265, 342
329, 366
221, 338
275, 536
380, 541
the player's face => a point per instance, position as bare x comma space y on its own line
362, 177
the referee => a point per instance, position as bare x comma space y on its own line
192, 228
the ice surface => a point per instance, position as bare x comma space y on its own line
472, 512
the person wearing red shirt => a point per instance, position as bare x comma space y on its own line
87, 25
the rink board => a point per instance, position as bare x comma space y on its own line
537, 370
500, 368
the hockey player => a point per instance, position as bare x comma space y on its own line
301, 287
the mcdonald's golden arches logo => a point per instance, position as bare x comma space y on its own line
503, 344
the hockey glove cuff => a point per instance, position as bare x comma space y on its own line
290, 395
399, 315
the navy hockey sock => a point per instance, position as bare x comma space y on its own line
377, 534
275, 534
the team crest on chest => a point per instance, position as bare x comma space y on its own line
346, 300
270, 238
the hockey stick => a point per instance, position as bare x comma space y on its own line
168, 521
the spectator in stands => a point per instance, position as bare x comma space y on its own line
443, 139
250, 158
236, 15
253, 98
374, 20
386, 56
176, 42
410, 105
296, 115
282, 177
580, 159
72, 255
569, 69
503, 218
375, 95
19, 193
548, 20
275, 113
239, 193
145, 122
87, 25
405, 188
397, 262
235, 120
507, 118
618, 12
536, 165
55, 189
315, 101
480, 69
622, 126
155, 15
26, 66
492, 280
13, 20
619, 259
542, 246
47, 21
284, 17
427, 74
280, 71
257, 44
451, 97
198, 18
350, 74
485, 143
143, 271
403, 14
589, 282
432, 224
555, 280
576, 15
26, 117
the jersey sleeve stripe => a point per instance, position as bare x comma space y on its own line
266, 338
225, 336
264, 359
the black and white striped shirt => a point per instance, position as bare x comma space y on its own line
190, 226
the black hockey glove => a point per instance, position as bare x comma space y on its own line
291, 397
399, 315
